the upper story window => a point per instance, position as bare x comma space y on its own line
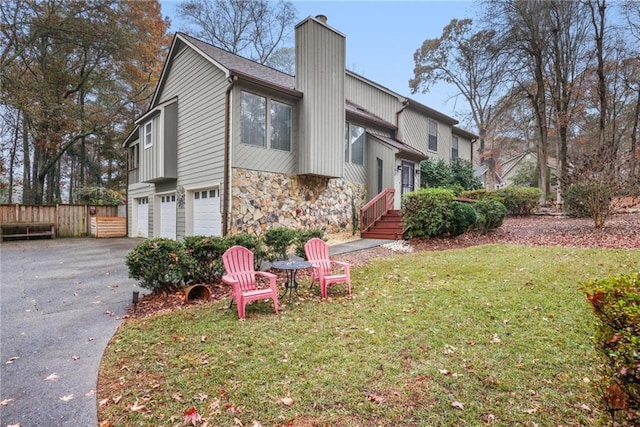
148, 134
433, 135
134, 156
354, 144
255, 121
253, 117
281, 119
454, 147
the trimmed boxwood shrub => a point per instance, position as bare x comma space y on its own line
491, 214
520, 200
427, 212
616, 302
206, 252
277, 241
464, 216
159, 264
482, 194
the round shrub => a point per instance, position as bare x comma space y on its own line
520, 200
278, 240
491, 214
427, 212
206, 252
464, 216
159, 264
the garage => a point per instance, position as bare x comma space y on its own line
142, 217
168, 216
207, 220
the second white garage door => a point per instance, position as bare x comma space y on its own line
168, 216
207, 220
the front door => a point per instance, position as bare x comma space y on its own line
408, 174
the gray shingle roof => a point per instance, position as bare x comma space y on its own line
234, 62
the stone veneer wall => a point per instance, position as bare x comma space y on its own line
262, 200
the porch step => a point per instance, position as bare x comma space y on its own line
388, 227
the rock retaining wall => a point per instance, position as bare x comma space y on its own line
262, 200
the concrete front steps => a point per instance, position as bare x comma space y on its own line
388, 227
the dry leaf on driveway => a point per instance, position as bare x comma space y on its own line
52, 377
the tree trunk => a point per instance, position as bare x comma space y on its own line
27, 193
635, 154
12, 157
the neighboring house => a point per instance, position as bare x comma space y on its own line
527, 161
231, 146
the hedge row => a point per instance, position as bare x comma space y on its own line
517, 200
435, 212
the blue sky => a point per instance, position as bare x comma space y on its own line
382, 37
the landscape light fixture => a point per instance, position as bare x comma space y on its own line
135, 299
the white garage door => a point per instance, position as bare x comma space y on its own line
207, 220
168, 216
142, 218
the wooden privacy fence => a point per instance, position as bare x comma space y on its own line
69, 220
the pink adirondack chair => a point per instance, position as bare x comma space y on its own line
325, 270
240, 273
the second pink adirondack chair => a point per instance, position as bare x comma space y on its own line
240, 273
325, 270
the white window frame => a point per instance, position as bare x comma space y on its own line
147, 136
433, 132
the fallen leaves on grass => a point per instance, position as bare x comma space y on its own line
191, 416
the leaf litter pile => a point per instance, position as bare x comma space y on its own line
620, 231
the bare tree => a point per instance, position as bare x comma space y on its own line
252, 28
470, 61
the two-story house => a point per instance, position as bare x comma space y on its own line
231, 146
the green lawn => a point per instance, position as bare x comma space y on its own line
495, 334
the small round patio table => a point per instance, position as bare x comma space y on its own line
291, 267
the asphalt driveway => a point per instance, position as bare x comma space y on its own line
60, 303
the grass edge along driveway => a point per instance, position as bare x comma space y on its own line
494, 334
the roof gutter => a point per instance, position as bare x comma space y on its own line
233, 79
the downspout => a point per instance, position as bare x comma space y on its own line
227, 154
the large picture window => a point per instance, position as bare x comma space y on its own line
255, 122
433, 135
281, 116
253, 117
354, 144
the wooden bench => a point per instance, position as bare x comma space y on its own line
27, 230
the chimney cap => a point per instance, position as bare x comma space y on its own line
322, 18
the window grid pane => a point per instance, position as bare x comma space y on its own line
433, 136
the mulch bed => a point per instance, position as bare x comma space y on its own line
620, 231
